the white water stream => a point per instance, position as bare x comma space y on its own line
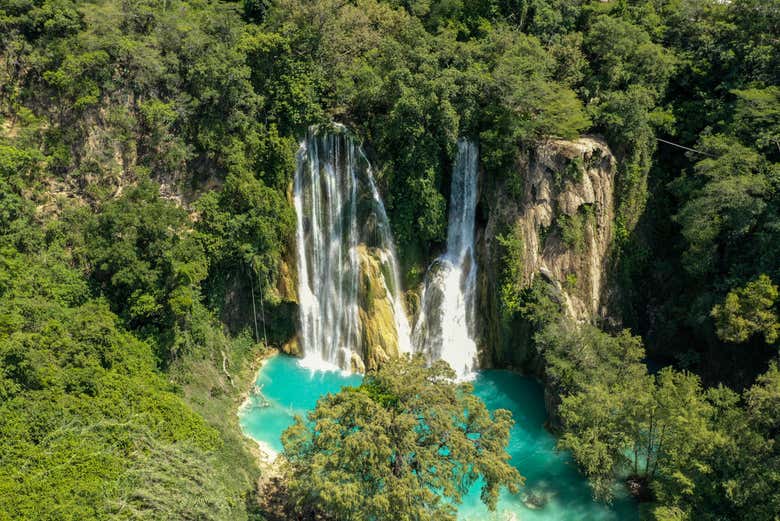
445, 327
339, 210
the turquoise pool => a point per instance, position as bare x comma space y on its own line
291, 389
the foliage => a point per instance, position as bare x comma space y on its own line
411, 91
728, 205
247, 223
146, 262
406, 444
631, 73
722, 95
171, 92
573, 228
578, 355
101, 274
696, 451
732, 473
83, 408
604, 389
540, 304
748, 311
146, 150
512, 278
757, 116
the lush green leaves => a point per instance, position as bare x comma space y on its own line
406, 444
735, 185
696, 450
748, 311
78, 394
412, 91
146, 261
96, 97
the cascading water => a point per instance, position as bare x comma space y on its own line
445, 325
347, 268
342, 232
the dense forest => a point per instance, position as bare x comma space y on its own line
147, 149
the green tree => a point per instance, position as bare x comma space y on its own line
618, 419
606, 394
89, 429
757, 117
629, 76
17, 172
406, 444
724, 202
594, 422
727, 466
683, 434
749, 311
145, 259
245, 228
513, 250
579, 355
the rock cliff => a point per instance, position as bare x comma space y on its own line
560, 212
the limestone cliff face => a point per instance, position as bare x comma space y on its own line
561, 217
287, 289
379, 339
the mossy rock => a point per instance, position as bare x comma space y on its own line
287, 286
379, 335
293, 347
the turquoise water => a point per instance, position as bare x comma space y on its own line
291, 389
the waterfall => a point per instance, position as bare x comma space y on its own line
347, 268
445, 325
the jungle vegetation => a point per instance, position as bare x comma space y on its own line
146, 149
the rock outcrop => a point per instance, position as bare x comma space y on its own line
379, 338
376, 319
561, 214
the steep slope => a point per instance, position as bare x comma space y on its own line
556, 226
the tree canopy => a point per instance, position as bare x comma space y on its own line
146, 156
406, 444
